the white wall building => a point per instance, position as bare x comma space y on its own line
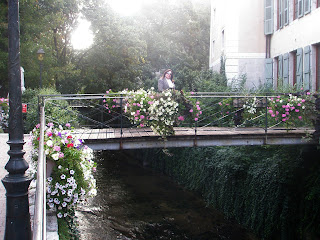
274, 42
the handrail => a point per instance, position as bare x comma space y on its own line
39, 221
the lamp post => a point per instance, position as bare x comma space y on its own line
40, 54
16, 182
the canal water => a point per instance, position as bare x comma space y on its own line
137, 203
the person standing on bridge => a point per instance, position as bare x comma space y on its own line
166, 81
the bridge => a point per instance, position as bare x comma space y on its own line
104, 128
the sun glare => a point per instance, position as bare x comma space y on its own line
82, 37
126, 7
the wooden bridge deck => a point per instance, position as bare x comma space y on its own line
138, 138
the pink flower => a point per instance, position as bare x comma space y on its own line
198, 103
136, 118
191, 110
300, 117
270, 111
152, 97
141, 117
192, 93
200, 112
61, 155
308, 93
68, 125
284, 119
50, 124
57, 148
297, 110
181, 118
38, 125
134, 104
287, 110
113, 106
198, 108
283, 115
150, 102
196, 119
141, 125
277, 113
220, 103
272, 115
278, 96
303, 100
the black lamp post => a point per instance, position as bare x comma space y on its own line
16, 182
40, 58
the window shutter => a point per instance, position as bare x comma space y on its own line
306, 72
299, 69
307, 6
280, 68
269, 72
286, 69
268, 17
300, 8
280, 11
286, 12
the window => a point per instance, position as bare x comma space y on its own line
283, 13
307, 6
300, 8
269, 72
212, 49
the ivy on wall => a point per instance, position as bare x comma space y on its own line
272, 190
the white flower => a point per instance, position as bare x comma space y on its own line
49, 143
59, 215
55, 156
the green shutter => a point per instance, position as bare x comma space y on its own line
286, 69
300, 8
299, 69
280, 70
280, 11
307, 6
306, 68
269, 72
268, 17
286, 12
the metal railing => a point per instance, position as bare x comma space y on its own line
39, 221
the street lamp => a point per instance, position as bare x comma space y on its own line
16, 182
40, 54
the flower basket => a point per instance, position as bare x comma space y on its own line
69, 168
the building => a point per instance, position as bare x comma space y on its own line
271, 42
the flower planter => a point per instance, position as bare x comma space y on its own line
50, 166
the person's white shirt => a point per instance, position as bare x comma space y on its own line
170, 83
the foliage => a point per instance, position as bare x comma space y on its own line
60, 113
271, 190
71, 180
160, 111
4, 113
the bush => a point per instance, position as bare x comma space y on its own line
57, 113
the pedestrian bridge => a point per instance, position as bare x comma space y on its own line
224, 122
140, 138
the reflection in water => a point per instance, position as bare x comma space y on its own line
136, 203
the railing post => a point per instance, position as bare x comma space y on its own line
316, 134
266, 120
18, 225
121, 116
39, 221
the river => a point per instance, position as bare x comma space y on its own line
137, 203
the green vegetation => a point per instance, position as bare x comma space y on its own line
57, 113
271, 190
